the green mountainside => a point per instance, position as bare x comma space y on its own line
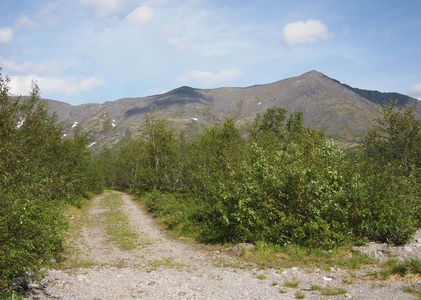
341, 111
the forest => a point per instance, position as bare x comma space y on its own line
284, 183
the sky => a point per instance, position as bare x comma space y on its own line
93, 51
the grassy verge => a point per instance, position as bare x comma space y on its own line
117, 223
77, 217
265, 255
407, 269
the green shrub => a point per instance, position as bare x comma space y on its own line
39, 171
287, 184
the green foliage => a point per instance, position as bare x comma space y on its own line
390, 168
39, 170
396, 140
177, 212
402, 268
148, 163
285, 185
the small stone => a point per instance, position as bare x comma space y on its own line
246, 245
327, 279
407, 249
68, 298
181, 293
165, 250
151, 282
33, 286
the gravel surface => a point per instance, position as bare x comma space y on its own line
165, 268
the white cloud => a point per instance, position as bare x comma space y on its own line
24, 21
141, 15
178, 36
6, 35
416, 91
90, 83
106, 7
209, 78
29, 67
305, 32
20, 85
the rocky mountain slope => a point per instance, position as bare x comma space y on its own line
341, 111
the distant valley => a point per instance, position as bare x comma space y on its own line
341, 111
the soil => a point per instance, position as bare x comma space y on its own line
162, 267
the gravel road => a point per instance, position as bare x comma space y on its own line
161, 267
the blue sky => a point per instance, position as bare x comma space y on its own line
81, 51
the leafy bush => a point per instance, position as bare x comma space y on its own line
287, 184
39, 171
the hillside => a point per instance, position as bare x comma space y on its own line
339, 110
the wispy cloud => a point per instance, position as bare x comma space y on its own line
26, 67
141, 15
24, 21
309, 32
101, 8
6, 35
208, 78
20, 85
416, 91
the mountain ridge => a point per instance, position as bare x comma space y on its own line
341, 111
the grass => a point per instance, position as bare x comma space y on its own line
413, 290
300, 295
77, 218
294, 283
332, 291
401, 268
120, 232
315, 288
117, 227
165, 262
118, 223
272, 256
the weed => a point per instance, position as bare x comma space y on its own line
315, 288
274, 283
395, 267
294, 283
413, 290
333, 291
118, 224
166, 262
300, 295
119, 230
274, 256
281, 291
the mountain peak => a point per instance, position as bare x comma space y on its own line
313, 73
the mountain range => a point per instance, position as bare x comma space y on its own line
342, 112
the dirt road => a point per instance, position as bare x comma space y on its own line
157, 266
